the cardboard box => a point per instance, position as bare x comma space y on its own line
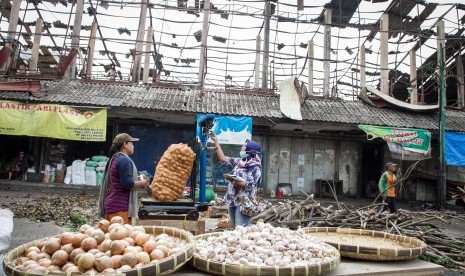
60, 176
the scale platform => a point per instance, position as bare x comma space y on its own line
185, 206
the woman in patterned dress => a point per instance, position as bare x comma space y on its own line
243, 179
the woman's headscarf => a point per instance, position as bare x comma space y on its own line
252, 148
253, 158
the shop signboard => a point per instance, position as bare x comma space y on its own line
404, 143
52, 120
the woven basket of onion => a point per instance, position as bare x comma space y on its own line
109, 247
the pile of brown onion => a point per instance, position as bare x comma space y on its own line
106, 247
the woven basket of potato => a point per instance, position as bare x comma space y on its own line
106, 248
262, 249
172, 172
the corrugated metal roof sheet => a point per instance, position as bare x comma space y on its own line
232, 103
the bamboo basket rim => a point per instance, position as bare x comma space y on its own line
185, 255
229, 269
373, 252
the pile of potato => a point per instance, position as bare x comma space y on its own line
172, 172
107, 247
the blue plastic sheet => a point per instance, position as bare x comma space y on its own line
455, 149
231, 130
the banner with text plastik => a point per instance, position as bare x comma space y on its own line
229, 129
52, 120
404, 143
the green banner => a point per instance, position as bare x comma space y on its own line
404, 143
52, 120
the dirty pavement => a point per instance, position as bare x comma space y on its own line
43, 210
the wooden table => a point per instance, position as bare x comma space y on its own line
359, 267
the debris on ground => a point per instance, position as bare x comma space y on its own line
63, 210
442, 248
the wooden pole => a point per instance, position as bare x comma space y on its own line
327, 52
139, 42
460, 79
257, 61
442, 178
11, 36
112, 74
363, 76
441, 57
148, 54
300, 5
310, 56
266, 46
90, 54
272, 80
413, 77
441, 185
75, 37
441, 42
36, 46
384, 37
203, 43
13, 22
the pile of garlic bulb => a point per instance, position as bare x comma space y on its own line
263, 244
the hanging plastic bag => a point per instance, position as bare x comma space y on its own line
250, 207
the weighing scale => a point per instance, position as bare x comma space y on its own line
186, 206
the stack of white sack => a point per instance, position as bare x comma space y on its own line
100, 170
78, 172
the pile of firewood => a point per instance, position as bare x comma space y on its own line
442, 248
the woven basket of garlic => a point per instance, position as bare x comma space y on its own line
262, 249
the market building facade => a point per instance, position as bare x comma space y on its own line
325, 146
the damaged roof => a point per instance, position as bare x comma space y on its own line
261, 105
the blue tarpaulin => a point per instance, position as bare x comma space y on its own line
232, 130
455, 149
